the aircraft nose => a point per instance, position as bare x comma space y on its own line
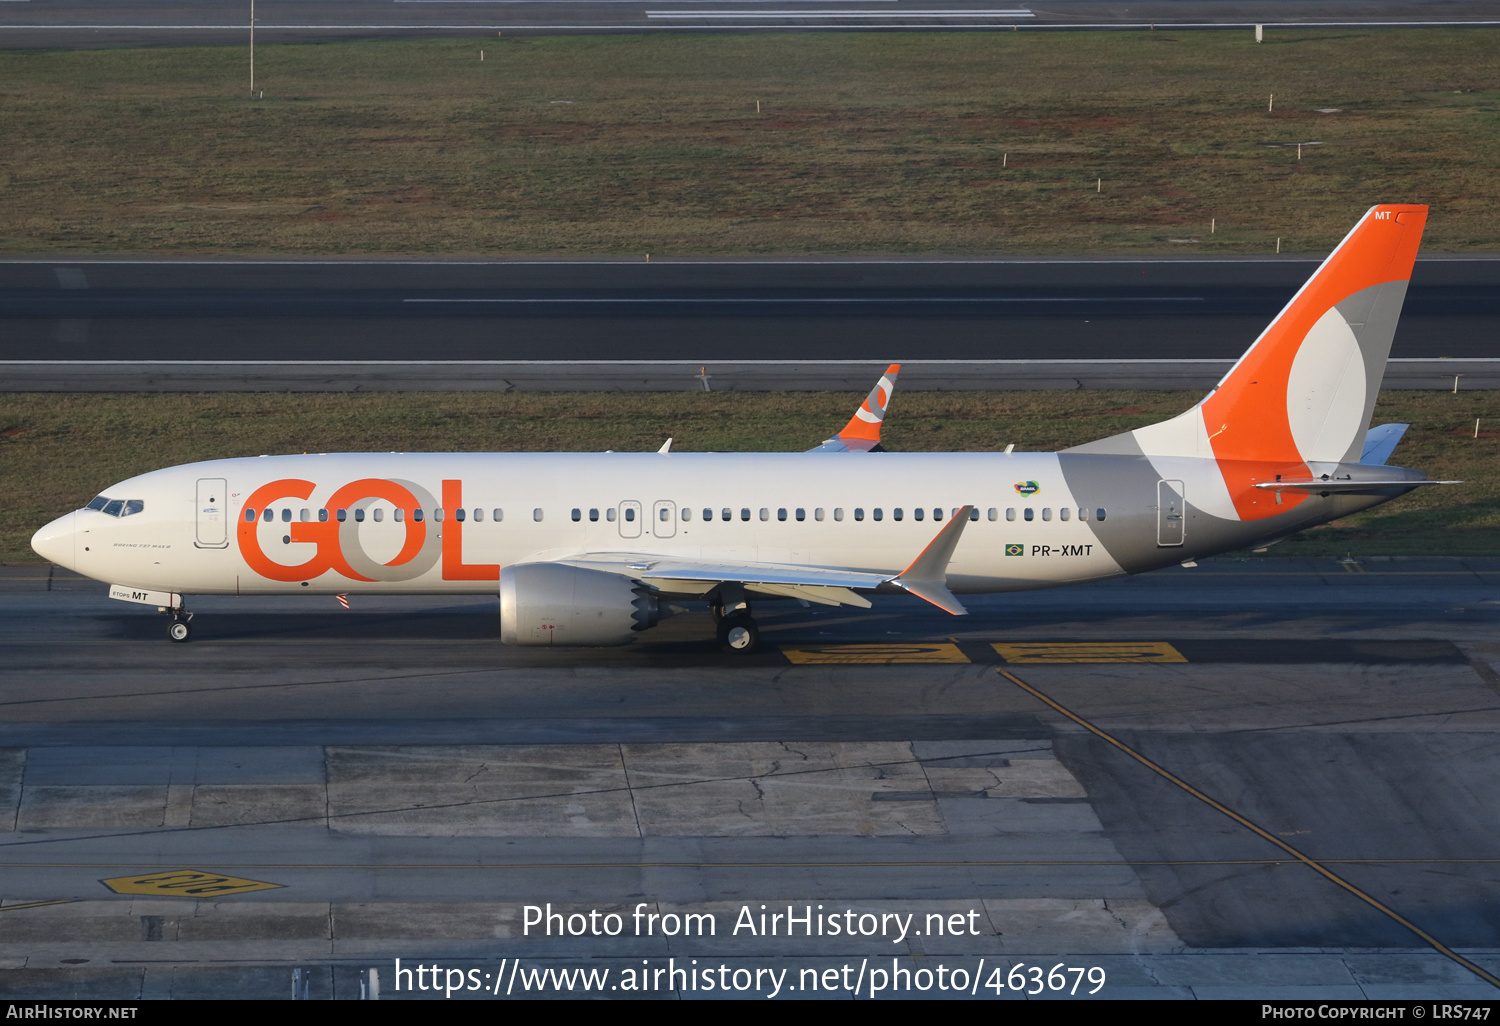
55, 541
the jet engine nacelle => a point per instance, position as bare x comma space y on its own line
553, 604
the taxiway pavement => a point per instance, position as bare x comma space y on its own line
407, 784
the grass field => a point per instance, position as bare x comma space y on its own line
865, 143
56, 452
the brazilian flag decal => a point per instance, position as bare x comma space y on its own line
1015, 550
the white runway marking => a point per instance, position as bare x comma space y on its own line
808, 300
593, 2
635, 26
840, 14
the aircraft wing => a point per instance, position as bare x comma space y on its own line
824, 585
862, 433
926, 577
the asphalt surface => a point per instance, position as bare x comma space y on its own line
1348, 707
695, 312
85, 23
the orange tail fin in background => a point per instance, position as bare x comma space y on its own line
862, 433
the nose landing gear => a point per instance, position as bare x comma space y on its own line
179, 629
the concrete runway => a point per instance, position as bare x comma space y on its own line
407, 784
99, 23
345, 325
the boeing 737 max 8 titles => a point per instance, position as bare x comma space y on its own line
591, 548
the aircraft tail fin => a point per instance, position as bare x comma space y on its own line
862, 433
1304, 392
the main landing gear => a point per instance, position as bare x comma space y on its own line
180, 629
738, 633
737, 630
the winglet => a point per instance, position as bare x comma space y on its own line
862, 433
927, 577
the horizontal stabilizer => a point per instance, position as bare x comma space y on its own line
1348, 487
1380, 442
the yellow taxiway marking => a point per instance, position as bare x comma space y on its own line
1088, 652
185, 883
37, 904
1315, 865
879, 655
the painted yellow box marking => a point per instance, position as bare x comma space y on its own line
185, 883
1088, 652
879, 655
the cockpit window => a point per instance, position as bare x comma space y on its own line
116, 507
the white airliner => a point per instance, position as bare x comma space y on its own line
591, 548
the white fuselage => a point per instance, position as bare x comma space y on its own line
865, 512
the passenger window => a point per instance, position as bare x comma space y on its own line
249, 515
267, 515
725, 514
609, 515
398, 514
1063, 513
305, 516
417, 515
708, 515
323, 515
765, 514
498, 515
896, 513
97, 503
342, 515
629, 514
664, 514
744, 513
859, 514
801, 514
918, 513
878, 513
577, 514
781, 514
687, 513
378, 514
1099, 513
974, 513
1029, 514
460, 514
818, 513
1083, 514
593, 516
479, 515
838, 513
937, 514
994, 513
1047, 513
437, 514
536, 514
359, 516
286, 516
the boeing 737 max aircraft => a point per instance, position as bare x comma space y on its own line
590, 548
